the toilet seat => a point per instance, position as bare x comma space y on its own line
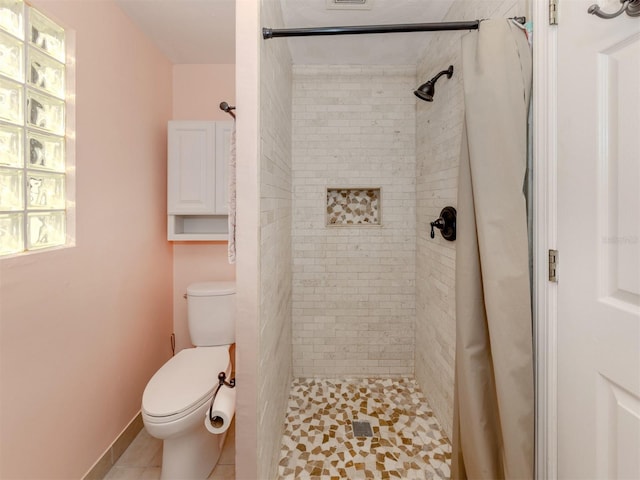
184, 383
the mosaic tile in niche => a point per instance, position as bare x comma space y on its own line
353, 206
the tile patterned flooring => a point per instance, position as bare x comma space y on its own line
143, 459
318, 442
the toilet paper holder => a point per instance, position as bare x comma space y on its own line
222, 381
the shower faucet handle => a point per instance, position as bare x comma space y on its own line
446, 224
439, 224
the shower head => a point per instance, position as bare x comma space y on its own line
426, 90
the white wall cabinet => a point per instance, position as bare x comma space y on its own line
198, 159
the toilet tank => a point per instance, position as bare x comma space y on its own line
211, 313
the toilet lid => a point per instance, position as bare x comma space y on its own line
184, 380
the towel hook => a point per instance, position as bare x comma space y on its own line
225, 107
631, 7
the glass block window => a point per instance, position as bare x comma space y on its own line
32, 130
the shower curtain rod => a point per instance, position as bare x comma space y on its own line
364, 29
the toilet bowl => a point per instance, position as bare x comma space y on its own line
174, 405
178, 396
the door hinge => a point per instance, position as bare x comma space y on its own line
553, 12
553, 265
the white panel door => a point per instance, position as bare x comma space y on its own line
191, 172
598, 243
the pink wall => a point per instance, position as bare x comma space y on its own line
84, 328
199, 89
197, 92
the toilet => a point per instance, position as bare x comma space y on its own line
178, 396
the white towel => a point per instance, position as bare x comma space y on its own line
232, 197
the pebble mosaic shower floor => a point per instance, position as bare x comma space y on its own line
319, 443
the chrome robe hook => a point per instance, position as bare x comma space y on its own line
631, 7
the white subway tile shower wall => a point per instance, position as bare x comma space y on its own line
353, 287
274, 370
439, 133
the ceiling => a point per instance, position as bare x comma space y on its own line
201, 31
187, 31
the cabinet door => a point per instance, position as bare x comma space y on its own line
191, 168
224, 131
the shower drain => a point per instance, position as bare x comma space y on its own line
361, 429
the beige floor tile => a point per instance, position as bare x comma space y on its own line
156, 461
144, 451
223, 472
143, 459
228, 455
151, 473
125, 473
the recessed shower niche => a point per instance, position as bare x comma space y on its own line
353, 206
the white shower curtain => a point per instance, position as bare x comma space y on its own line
494, 398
